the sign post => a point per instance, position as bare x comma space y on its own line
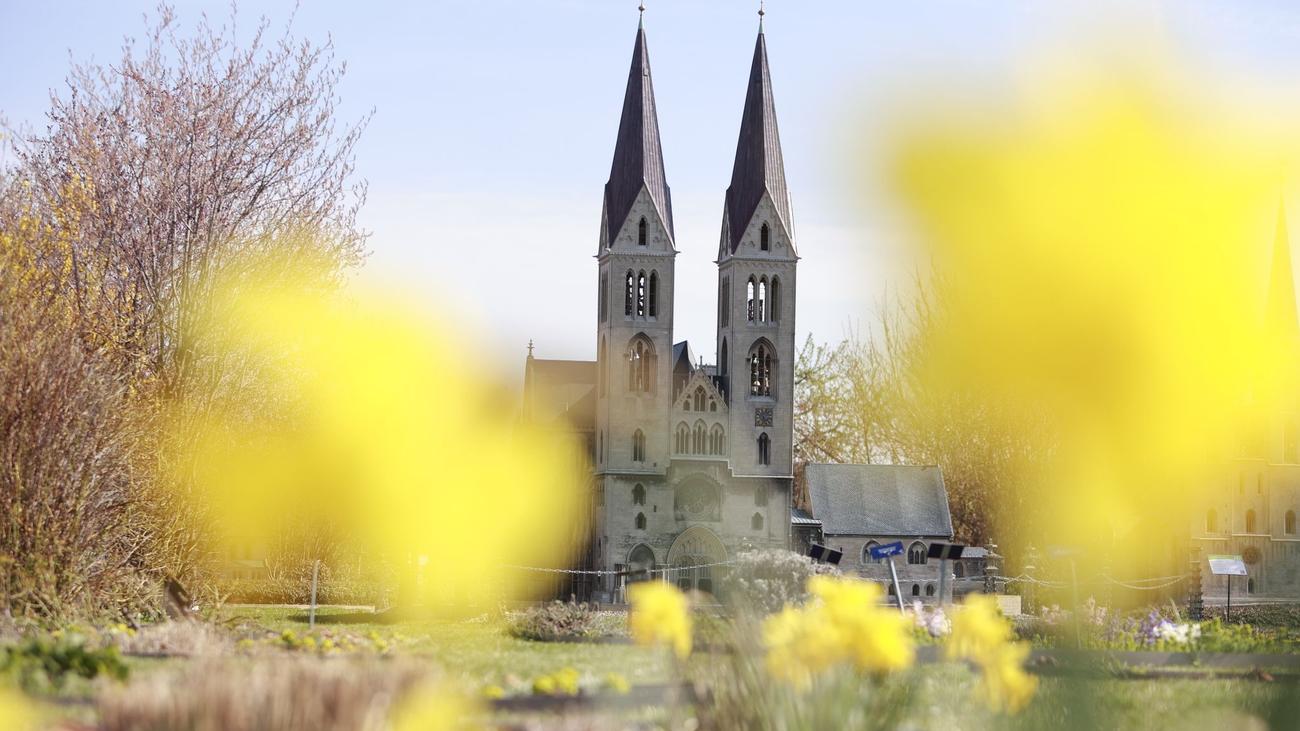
945, 552
888, 551
1229, 566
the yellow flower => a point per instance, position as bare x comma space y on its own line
1005, 686
978, 630
434, 709
617, 683
544, 685
660, 615
980, 634
15, 713
847, 624
566, 681
493, 692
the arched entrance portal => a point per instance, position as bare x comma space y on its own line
639, 563
690, 557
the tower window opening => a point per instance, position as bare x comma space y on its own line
640, 521
756, 522
774, 301
641, 365
628, 295
654, 294
638, 494
760, 371
641, 231
765, 238
724, 302
764, 449
602, 368
762, 300
640, 294
604, 296
638, 446
750, 294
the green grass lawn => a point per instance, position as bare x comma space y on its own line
478, 653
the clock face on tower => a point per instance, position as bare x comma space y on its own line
763, 416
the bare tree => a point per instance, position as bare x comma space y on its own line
193, 159
868, 400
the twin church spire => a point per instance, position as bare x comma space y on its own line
638, 153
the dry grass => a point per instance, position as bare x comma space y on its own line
271, 694
184, 638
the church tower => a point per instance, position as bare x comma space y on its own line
756, 289
634, 328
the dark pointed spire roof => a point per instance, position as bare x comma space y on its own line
758, 167
638, 156
1281, 285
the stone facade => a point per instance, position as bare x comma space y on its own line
692, 462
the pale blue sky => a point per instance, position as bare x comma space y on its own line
495, 123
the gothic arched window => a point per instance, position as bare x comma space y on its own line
929, 589
756, 522
638, 494
640, 365
916, 590
916, 553
761, 376
698, 438
713, 405
654, 294
1250, 521
722, 358
1289, 523
724, 302
762, 300
640, 521
751, 288
683, 439
602, 368
774, 301
641, 231
1211, 521
629, 294
764, 449
638, 446
765, 238
640, 294
699, 398
604, 296
866, 551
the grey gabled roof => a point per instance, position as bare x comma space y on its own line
638, 155
879, 500
758, 168
799, 516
